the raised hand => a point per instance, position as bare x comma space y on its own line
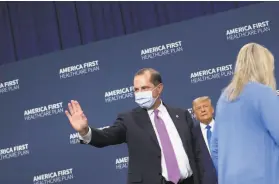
77, 118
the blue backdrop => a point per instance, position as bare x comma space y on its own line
195, 58
29, 29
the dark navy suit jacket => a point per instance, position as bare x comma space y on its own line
206, 168
135, 129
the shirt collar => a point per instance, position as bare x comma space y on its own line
203, 126
160, 108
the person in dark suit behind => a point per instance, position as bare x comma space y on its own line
159, 137
203, 112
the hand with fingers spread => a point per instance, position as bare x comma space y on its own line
77, 118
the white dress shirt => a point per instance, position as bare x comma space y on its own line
204, 132
181, 156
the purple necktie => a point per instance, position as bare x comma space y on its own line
170, 158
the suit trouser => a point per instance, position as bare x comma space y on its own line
189, 180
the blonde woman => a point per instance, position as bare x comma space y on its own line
245, 139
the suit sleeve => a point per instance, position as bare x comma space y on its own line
112, 135
195, 146
269, 103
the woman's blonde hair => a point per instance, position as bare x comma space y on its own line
254, 63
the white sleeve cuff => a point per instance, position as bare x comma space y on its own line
86, 138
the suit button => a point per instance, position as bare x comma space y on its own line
160, 174
159, 156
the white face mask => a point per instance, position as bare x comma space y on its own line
145, 99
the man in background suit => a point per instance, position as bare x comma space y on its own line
159, 137
203, 112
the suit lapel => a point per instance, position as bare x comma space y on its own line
177, 122
143, 120
180, 127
